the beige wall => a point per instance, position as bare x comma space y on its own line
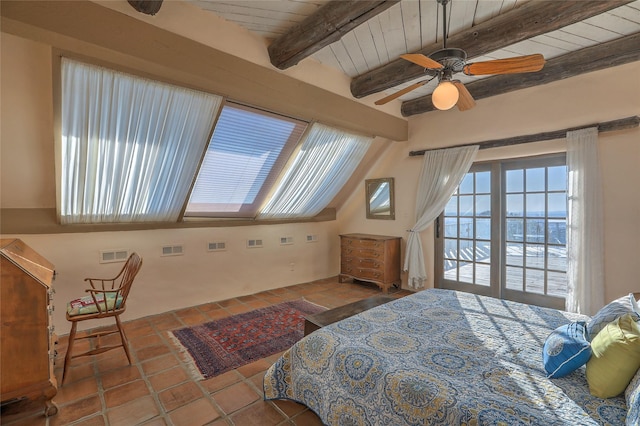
27, 124
590, 98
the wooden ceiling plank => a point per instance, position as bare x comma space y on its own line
613, 53
327, 25
521, 23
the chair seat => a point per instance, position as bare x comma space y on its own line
86, 305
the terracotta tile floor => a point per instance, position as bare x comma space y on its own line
158, 389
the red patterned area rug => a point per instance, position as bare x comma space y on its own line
228, 343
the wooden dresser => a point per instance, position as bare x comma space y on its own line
26, 333
372, 258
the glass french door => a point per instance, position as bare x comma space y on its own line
503, 232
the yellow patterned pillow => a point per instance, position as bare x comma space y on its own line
615, 357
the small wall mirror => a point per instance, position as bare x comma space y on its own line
380, 198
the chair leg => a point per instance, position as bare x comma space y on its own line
123, 337
67, 357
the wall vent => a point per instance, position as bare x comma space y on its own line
254, 243
284, 241
173, 250
110, 256
217, 246
312, 238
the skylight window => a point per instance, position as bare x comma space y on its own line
246, 153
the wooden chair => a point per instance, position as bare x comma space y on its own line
107, 298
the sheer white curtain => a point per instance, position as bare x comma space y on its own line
442, 172
325, 161
585, 238
130, 146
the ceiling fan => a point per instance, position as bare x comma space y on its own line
443, 63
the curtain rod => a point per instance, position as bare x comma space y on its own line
608, 126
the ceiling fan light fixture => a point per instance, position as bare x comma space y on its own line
445, 96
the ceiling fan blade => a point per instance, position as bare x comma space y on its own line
422, 60
465, 100
516, 65
399, 93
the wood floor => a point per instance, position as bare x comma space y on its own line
158, 389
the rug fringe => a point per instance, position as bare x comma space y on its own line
187, 358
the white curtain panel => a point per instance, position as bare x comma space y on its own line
442, 172
325, 161
130, 146
585, 238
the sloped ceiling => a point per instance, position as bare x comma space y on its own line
574, 37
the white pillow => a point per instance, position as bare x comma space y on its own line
634, 303
611, 312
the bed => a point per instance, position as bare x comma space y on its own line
438, 357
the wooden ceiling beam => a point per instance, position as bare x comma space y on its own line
531, 19
610, 54
327, 25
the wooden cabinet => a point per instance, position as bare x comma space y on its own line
372, 258
26, 331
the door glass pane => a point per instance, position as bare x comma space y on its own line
535, 205
452, 207
557, 258
535, 180
466, 186
535, 281
483, 205
466, 250
483, 274
483, 182
466, 272
515, 230
515, 205
557, 284
557, 178
557, 231
515, 180
483, 229
483, 251
514, 277
557, 204
451, 227
515, 254
535, 230
451, 270
466, 205
450, 248
466, 227
535, 255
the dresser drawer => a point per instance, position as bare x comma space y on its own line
368, 253
365, 274
362, 244
357, 262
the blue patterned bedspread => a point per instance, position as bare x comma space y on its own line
438, 357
